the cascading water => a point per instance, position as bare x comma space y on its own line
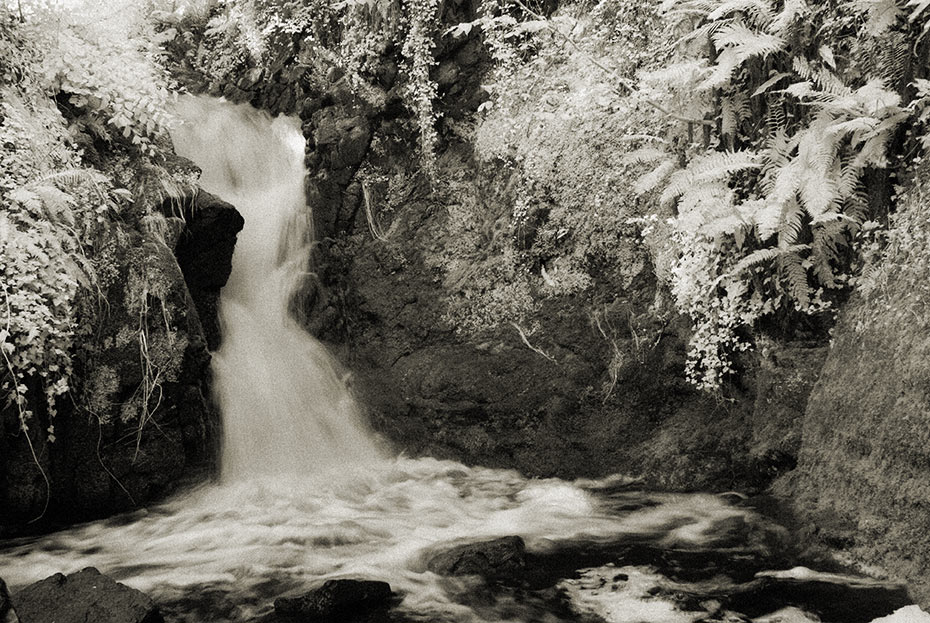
281, 521
285, 408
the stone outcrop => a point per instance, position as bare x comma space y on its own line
336, 600
863, 477
84, 596
140, 421
204, 253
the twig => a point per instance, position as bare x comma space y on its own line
530, 346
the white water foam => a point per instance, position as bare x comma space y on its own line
255, 539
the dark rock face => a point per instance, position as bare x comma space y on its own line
204, 252
7, 613
336, 600
499, 559
863, 476
84, 596
494, 401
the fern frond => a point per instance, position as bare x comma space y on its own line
713, 167
791, 12
792, 222
895, 58
738, 43
818, 194
700, 33
733, 110
823, 78
761, 256
678, 75
795, 278
721, 164
654, 178
882, 14
847, 180
73, 177
781, 184
747, 42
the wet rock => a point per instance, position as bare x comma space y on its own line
7, 613
204, 252
831, 597
82, 597
336, 600
91, 469
500, 559
250, 79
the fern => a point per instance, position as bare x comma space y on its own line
792, 267
764, 256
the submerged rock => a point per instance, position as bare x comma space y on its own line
500, 559
7, 613
83, 597
336, 600
832, 597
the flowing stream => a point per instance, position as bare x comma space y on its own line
307, 494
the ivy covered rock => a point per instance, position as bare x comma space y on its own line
141, 421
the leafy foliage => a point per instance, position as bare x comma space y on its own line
73, 80
757, 162
770, 197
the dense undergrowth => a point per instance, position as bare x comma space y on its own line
752, 148
756, 145
84, 166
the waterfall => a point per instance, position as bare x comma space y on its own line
284, 403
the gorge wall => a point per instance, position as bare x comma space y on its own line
863, 476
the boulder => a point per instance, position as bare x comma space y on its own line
84, 596
499, 559
336, 600
7, 613
204, 252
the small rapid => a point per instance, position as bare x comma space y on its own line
227, 551
307, 493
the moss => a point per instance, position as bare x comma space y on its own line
865, 456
